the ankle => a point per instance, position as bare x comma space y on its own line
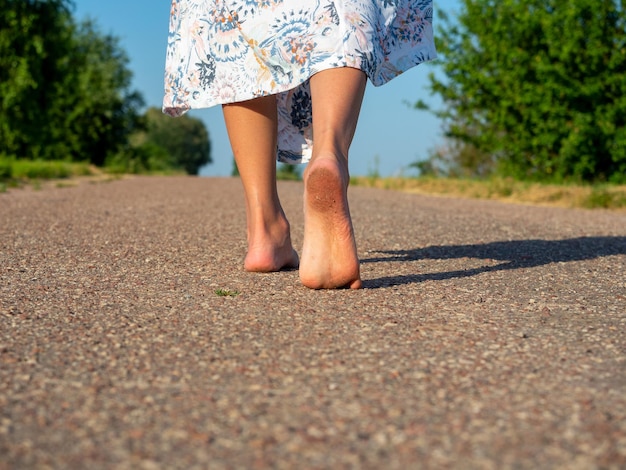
329, 162
268, 226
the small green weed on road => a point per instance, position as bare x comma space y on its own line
226, 293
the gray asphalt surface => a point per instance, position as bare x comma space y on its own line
488, 335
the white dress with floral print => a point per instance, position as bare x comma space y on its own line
225, 51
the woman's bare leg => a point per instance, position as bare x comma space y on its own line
252, 128
329, 256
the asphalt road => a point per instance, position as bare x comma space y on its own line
487, 336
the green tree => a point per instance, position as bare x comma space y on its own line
64, 88
35, 37
101, 110
185, 140
536, 88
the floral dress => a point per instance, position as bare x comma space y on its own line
225, 51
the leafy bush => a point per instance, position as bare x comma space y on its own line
180, 143
288, 172
541, 91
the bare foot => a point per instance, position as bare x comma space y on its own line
271, 250
329, 258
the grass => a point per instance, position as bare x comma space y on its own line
226, 293
508, 190
15, 173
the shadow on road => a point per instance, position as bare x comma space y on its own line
515, 254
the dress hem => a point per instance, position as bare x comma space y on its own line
177, 111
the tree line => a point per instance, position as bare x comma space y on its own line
532, 89
66, 94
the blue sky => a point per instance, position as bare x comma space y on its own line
390, 135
